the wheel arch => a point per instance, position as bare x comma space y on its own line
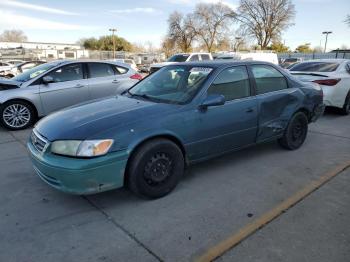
306, 111
25, 101
141, 142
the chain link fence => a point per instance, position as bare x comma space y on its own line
310, 56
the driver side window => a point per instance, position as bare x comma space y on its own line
69, 72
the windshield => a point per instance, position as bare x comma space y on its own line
172, 84
178, 58
34, 72
315, 67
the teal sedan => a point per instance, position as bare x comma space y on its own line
177, 116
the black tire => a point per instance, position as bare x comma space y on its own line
29, 115
295, 133
155, 168
346, 108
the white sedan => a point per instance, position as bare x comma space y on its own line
333, 75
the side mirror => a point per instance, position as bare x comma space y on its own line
213, 100
48, 80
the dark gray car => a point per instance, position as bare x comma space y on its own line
56, 85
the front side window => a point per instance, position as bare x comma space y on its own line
66, 73
232, 83
268, 79
100, 70
34, 72
172, 84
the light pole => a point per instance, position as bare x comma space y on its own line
113, 30
325, 44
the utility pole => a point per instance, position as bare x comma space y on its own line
113, 30
325, 44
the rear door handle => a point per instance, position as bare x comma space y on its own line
249, 110
78, 86
115, 81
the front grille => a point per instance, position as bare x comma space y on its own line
38, 142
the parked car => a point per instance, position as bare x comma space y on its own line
183, 57
333, 75
7, 70
250, 56
131, 62
15, 61
289, 62
53, 86
182, 114
22, 67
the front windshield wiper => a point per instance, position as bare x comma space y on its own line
139, 95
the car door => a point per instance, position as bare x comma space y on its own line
102, 80
69, 87
229, 126
276, 102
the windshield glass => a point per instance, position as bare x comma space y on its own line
33, 72
172, 84
315, 67
178, 58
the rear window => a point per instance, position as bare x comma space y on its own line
178, 58
315, 67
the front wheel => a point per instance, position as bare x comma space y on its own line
156, 168
295, 133
16, 115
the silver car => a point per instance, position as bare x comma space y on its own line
52, 86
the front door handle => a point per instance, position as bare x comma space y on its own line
250, 110
78, 86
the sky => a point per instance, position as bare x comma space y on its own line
141, 21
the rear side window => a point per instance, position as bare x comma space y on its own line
315, 67
100, 70
232, 83
268, 79
121, 70
67, 73
205, 57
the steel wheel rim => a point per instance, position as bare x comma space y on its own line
158, 169
16, 115
298, 131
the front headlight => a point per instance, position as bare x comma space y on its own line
86, 148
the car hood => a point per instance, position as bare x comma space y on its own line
162, 64
6, 84
86, 120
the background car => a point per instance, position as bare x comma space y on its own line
182, 57
333, 75
131, 62
7, 70
22, 67
15, 62
182, 114
288, 62
53, 86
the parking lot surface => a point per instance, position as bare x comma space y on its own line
214, 201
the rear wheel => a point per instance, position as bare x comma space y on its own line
346, 108
295, 133
16, 115
156, 168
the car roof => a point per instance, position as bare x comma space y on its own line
329, 60
221, 63
64, 62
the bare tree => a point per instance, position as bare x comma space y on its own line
13, 36
265, 19
347, 20
211, 22
181, 31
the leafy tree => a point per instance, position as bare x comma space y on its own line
211, 23
265, 19
278, 47
181, 31
305, 48
106, 43
13, 36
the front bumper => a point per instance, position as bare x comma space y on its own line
80, 176
317, 112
